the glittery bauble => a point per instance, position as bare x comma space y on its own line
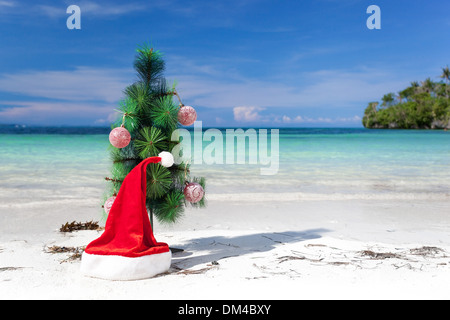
193, 192
108, 204
187, 115
119, 137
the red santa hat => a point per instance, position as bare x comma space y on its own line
127, 249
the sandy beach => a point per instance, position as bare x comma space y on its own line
350, 215
244, 249
317, 132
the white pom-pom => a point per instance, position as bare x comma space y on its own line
166, 159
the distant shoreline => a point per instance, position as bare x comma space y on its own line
90, 130
24, 129
424, 105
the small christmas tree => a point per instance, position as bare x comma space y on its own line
149, 117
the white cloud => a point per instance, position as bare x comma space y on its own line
286, 119
7, 9
47, 113
325, 88
247, 114
108, 119
109, 9
219, 120
300, 119
83, 83
9, 4
85, 95
210, 85
52, 12
252, 114
91, 8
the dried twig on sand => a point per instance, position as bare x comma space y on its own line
380, 255
426, 251
76, 252
75, 226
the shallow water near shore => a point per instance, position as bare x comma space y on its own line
338, 193
313, 163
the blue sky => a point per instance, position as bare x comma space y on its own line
244, 63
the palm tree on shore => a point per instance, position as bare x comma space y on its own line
428, 85
406, 93
388, 99
373, 106
446, 76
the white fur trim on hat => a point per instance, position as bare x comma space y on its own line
167, 159
113, 267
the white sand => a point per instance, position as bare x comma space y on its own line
324, 249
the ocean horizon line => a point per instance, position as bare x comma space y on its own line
85, 129
14, 129
16, 125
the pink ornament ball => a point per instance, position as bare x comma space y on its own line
119, 137
108, 204
193, 192
187, 115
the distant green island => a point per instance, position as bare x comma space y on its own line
424, 105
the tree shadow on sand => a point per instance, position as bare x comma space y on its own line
199, 251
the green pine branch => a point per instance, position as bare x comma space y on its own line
159, 181
149, 65
151, 142
141, 94
164, 114
129, 115
170, 208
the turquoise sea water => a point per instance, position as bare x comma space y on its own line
59, 163
345, 162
